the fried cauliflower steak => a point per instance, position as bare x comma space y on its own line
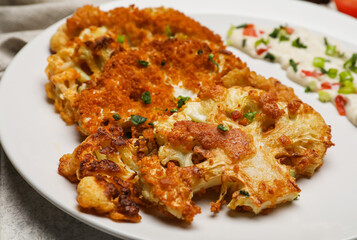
86, 41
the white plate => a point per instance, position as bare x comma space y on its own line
34, 137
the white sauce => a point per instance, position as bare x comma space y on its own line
283, 51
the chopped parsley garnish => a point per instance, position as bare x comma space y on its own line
151, 124
270, 57
297, 197
199, 52
223, 128
250, 116
245, 193
242, 26
163, 63
350, 63
323, 71
116, 116
146, 97
174, 110
293, 65
284, 38
210, 57
275, 33
182, 101
308, 89
244, 42
137, 119
326, 42
296, 43
143, 63
120, 39
293, 173
168, 32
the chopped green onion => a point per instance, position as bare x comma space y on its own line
245, 193
242, 26
293, 173
296, 43
319, 62
293, 65
283, 38
270, 57
307, 89
312, 85
345, 76
330, 50
137, 119
120, 39
244, 41
354, 69
116, 116
146, 97
250, 116
168, 32
210, 57
326, 42
199, 52
350, 62
332, 72
174, 110
143, 63
230, 31
223, 128
346, 90
324, 96
263, 41
163, 63
182, 101
275, 33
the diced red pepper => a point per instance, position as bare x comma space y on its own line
260, 51
326, 85
250, 31
340, 102
261, 32
336, 84
289, 30
311, 73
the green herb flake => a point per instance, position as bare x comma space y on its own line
326, 42
270, 57
120, 39
250, 116
242, 26
244, 193
293, 64
308, 89
275, 33
297, 197
244, 42
137, 119
143, 63
151, 124
168, 32
223, 128
296, 43
163, 63
173, 110
210, 57
283, 38
323, 71
261, 41
350, 62
182, 101
116, 116
293, 173
199, 52
146, 97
